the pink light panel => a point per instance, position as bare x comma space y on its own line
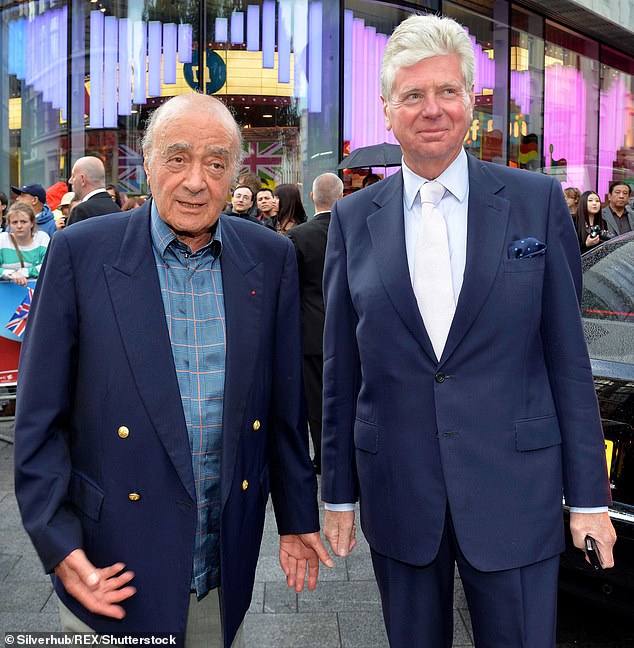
565, 119
96, 68
363, 113
284, 23
616, 104
111, 36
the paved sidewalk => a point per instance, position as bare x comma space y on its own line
343, 612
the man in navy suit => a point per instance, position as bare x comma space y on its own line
151, 421
458, 410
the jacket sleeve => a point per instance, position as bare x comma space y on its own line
42, 427
570, 374
342, 374
293, 482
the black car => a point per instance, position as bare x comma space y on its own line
607, 309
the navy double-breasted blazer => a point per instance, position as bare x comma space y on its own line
97, 356
505, 423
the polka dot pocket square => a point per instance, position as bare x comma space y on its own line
526, 248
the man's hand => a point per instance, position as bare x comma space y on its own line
599, 526
339, 529
298, 552
98, 590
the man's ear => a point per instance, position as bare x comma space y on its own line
386, 113
147, 171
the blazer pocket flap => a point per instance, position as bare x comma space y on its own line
86, 496
533, 434
366, 436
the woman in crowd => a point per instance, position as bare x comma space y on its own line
290, 210
588, 220
115, 195
4, 203
22, 249
572, 198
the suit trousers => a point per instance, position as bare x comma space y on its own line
514, 607
204, 623
313, 384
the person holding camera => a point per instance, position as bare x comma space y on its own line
591, 227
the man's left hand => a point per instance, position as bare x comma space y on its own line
297, 552
599, 526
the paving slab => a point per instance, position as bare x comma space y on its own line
292, 631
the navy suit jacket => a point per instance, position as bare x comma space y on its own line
98, 205
97, 356
505, 423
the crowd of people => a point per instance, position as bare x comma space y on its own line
596, 222
22, 247
55, 208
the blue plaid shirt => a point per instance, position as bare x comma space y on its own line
191, 287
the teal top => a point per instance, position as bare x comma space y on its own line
32, 255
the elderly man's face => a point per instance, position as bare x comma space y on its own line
429, 111
619, 196
191, 170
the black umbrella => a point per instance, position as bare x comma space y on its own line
377, 155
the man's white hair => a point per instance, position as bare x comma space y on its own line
422, 37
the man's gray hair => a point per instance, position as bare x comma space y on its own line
327, 188
194, 101
422, 37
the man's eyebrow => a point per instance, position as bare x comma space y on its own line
217, 150
183, 147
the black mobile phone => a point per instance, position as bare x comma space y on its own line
593, 553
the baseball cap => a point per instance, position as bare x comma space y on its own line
67, 198
36, 190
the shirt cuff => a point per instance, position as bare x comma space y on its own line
339, 507
581, 509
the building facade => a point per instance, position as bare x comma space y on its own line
553, 91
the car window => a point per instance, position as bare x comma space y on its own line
607, 304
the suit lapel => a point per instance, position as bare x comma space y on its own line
387, 233
136, 298
487, 222
243, 286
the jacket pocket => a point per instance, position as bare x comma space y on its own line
537, 433
86, 496
366, 436
532, 264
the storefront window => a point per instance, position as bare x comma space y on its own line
526, 90
366, 27
571, 100
616, 120
81, 80
34, 93
275, 64
487, 138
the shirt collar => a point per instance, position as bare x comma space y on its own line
163, 236
455, 178
93, 193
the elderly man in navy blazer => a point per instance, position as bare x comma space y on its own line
151, 421
458, 398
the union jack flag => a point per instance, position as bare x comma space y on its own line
130, 169
17, 323
265, 160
